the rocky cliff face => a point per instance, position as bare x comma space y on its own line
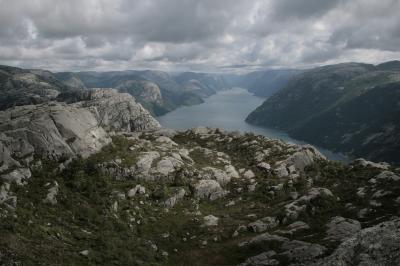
60, 131
199, 197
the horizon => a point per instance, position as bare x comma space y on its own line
202, 72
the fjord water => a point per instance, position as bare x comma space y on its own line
228, 110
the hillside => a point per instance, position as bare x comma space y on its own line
265, 83
198, 197
26, 86
350, 108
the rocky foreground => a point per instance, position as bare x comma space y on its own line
99, 182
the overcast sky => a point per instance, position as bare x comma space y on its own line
197, 35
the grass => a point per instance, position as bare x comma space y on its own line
84, 217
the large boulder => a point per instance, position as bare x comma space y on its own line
377, 245
208, 189
340, 228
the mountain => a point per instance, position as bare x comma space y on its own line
266, 82
202, 84
28, 86
89, 177
391, 66
351, 108
70, 79
158, 91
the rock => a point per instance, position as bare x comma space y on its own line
298, 225
263, 224
259, 157
340, 228
231, 171
169, 203
118, 111
220, 176
264, 166
304, 157
301, 252
84, 252
7, 197
145, 161
293, 228
51, 195
137, 189
263, 259
210, 220
6, 160
281, 171
294, 195
208, 189
252, 187
56, 130
162, 131
167, 165
294, 208
201, 130
388, 176
381, 193
265, 237
361, 192
53, 131
365, 163
376, 245
248, 174
17, 176
166, 140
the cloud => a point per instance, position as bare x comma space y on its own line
208, 35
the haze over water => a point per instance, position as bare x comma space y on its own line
228, 110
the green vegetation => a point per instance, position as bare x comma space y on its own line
94, 213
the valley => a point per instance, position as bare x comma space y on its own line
89, 175
228, 110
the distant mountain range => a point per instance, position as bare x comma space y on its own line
157, 91
352, 108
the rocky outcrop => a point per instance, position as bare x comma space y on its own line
118, 111
59, 131
377, 245
340, 228
209, 189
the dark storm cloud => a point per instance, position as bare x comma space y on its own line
206, 35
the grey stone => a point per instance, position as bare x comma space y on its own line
376, 245
339, 228
210, 220
51, 195
263, 259
208, 189
302, 252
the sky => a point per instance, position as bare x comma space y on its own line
196, 35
